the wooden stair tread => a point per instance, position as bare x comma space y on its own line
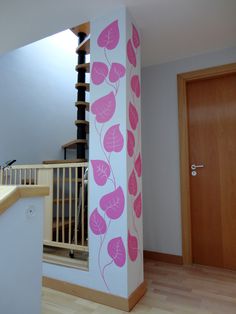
73, 144
85, 66
81, 122
85, 85
82, 103
84, 46
60, 200
67, 180
66, 222
65, 261
70, 161
82, 28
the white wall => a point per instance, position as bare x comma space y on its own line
161, 186
21, 242
37, 98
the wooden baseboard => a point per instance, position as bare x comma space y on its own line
162, 257
97, 296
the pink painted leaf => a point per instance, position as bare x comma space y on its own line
138, 205
116, 251
104, 107
132, 184
135, 36
113, 203
116, 72
131, 54
130, 143
132, 247
109, 37
101, 171
113, 139
138, 165
133, 116
99, 72
135, 85
97, 223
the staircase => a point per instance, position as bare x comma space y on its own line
79, 150
80, 145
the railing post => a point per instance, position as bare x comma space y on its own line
1, 176
45, 177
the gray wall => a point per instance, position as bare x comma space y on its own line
161, 186
37, 98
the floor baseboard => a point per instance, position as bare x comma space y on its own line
162, 257
97, 296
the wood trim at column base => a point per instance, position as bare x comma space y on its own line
162, 257
97, 296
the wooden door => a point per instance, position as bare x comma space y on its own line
211, 107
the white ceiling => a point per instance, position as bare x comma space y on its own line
170, 29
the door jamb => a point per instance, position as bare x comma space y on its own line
183, 79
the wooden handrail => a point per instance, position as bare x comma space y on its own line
11, 194
50, 166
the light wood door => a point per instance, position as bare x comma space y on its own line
211, 105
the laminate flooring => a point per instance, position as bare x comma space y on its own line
171, 289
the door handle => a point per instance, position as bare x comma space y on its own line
194, 167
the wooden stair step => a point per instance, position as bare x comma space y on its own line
85, 66
70, 161
73, 144
84, 85
84, 46
55, 180
82, 28
83, 122
82, 103
60, 224
66, 200
53, 258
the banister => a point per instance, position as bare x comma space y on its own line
50, 166
11, 194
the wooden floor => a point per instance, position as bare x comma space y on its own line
171, 289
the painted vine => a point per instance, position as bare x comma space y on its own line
133, 146
111, 205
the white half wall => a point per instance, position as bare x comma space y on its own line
21, 242
160, 145
37, 98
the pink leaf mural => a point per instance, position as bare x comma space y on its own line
116, 72
133, 116
104, 107
131, 54
99, 72
132, 247
113, 139
135, 85
130, 143
132, 184
135, 36
101, 171
138, 205
109, 37
116, 250
113, 203
138, 165
97, 223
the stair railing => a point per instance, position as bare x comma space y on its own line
65, 216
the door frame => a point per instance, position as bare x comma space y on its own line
183, 79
